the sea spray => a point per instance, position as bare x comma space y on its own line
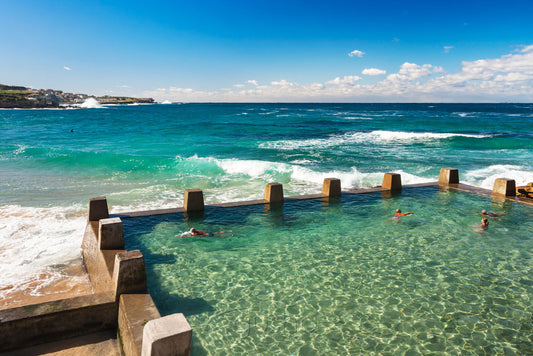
91, 103
33, 239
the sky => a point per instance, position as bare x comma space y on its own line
271, 50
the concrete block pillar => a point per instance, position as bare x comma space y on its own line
274, 193
129, 275
504, 187
98, 209
110, 234
194, 200
448, 176
169, 335
392, 181
331, 187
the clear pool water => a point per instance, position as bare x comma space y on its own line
342, 278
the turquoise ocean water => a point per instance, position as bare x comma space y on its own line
144, 157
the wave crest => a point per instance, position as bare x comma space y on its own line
485, 177
373, 137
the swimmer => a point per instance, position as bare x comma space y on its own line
484, 225
492, 215
195, 232
399, 213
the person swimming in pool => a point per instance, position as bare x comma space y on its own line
484, 225
195, 232
491, 215
399, 213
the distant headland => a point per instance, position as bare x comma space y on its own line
19, 97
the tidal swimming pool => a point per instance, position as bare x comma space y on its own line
342, 278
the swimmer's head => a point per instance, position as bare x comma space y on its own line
485, 221
193, 230
483, 212
398, 211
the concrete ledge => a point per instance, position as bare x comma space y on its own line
134, 311
193, 200
170, 335
448, 176
110, 234
392, 181
274, 193
98, 209
61, 319
129, 275
331, 187
102, 343
504, 187
97, 262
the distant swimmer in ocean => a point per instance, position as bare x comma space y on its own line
195, 232
399, 213
484, 225
492, 215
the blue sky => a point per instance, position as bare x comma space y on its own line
345, 51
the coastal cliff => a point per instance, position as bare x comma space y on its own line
123, 100
12, 97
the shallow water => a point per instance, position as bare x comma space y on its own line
342, 278
144, 157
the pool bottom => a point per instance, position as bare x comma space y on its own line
345, 278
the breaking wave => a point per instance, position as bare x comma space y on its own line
485, 177
374, 137
91, 103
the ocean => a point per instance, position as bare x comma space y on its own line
144, 156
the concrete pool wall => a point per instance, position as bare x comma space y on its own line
120, 300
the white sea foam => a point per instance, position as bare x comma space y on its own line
33, 239
374, 137
160, 196
418, 136
20, 150
358, 118
91, 103
485, 177
298, 174
252, 168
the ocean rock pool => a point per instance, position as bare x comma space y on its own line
313, 277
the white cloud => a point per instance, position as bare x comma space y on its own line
253, 82
282, 83
125, 86
238, 85
447, 49
373, 71
67, 68
507, 78
411, 71
346, 80
356, 53
527, 49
